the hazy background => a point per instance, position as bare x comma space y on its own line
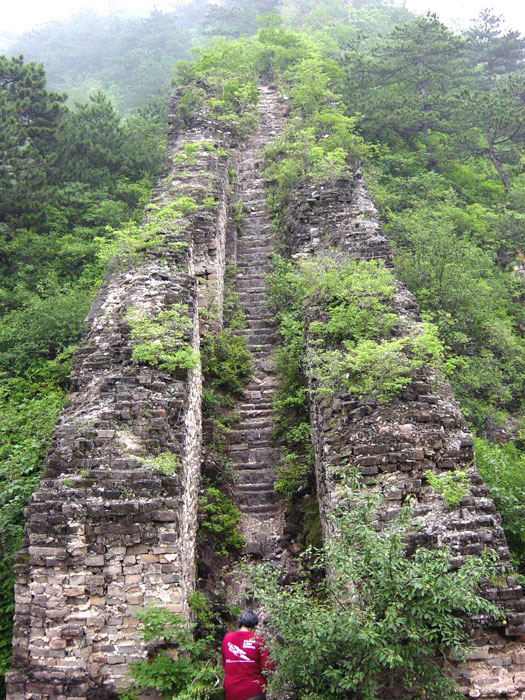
20, 17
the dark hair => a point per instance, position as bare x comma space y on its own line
248, 619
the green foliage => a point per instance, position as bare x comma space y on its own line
165, 463
292, 473
453, 486
226, 74
202, 612
319, 140
226, 369
226, 362
351, 343
503, 470
43, 329
237, 17
381, 619
378, 368
162, 340
187, 669
445, 252
291, 406
220, 522
28, 410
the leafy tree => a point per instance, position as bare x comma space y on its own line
30, 116
91, 142
236, 18
491, 51
380, 620
494, 124
413, 73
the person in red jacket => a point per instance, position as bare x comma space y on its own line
244, 658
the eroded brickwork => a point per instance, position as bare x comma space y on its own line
393, 444
107, 531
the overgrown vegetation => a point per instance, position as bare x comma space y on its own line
226, 367
162, 340
503, 470
220, 522
435, 119
338, 331
453, 486
179, 665
165, 463
381, 620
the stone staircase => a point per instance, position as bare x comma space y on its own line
252, 451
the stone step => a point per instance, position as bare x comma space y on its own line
254, 476
244, 286
262, 408
257, 314
261, 258
261, 341
261, 441
262, 414
265, 331
256, 233
263, 324
248, 275
264, 508
249, 248
259, 500
253, 458
245, 292
258, 487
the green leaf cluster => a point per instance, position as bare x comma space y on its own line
220, 522
453, 486
162, 339
380, 621
182, 667
503, 470
165, 463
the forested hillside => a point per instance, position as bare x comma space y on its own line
435, 119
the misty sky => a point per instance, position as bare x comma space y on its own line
16, 17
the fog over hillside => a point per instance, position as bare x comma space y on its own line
19, 18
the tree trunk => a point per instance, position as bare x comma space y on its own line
497, 164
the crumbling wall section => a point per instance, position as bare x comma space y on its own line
393, 444
111, 528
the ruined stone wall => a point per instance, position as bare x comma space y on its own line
393, 444
108, 531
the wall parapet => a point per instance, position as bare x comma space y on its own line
392, 444
113, 524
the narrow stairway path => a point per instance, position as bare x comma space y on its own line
251, 450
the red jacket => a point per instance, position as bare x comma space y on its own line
244, 656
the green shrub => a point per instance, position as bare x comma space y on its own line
381, 619
453, 486
220, 522
378, 368
191, 670
165, 463
503, 470
162, 340
226, 362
